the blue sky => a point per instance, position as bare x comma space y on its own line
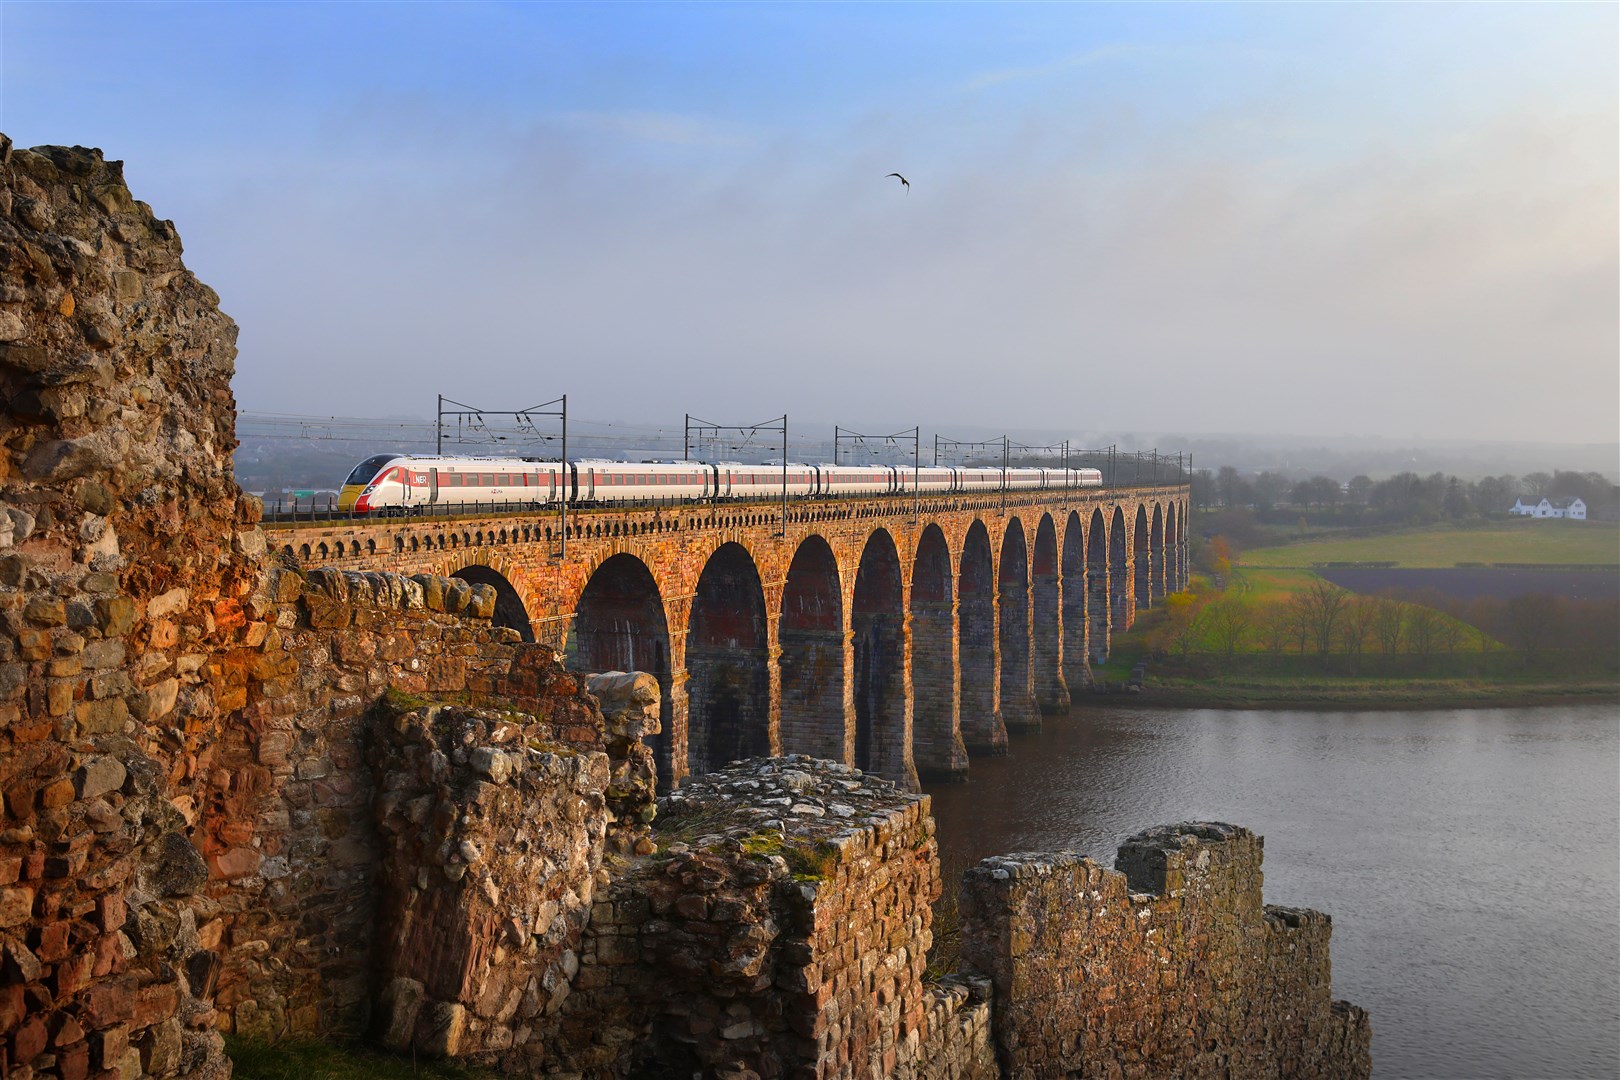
1360, 219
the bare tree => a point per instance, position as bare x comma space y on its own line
1275, 629
1229, 620
1319, 609
1299, 622
1388, 624
1356, 624
1425, 631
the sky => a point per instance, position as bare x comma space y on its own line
1390, 220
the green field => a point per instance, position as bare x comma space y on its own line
1546, 543
1267, 586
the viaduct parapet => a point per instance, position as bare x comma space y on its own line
890, 634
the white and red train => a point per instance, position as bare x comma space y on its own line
402, 484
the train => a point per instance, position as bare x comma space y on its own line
397, 484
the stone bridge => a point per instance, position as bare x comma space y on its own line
893, 635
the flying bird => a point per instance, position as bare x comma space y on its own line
902, 179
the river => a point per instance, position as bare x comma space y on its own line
1470, 859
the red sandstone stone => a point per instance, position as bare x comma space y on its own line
73, 1063
154, 1004
11, 1007
111, 910
236, 862
109, 1002
30, 1040
53, 942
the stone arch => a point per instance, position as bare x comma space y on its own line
509, 607
1141, 559
1099, 604
882, 705
982, 729
727, 662
303, 552
1182, 566
619, 625
936, 734
1172, 564
1046, 621
1156, 556
1018, 711
1119, 574
815, 654
1076, 671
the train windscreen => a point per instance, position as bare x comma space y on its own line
368, 468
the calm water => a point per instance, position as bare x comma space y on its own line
1470, 859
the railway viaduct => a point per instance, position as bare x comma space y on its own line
890, 634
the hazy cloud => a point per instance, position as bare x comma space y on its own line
659, 127
1196, 242
987, 79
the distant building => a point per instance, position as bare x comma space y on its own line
1573, 509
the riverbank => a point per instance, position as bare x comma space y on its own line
1352, 694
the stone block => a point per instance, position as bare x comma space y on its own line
99, 775
443, 1026
16, 905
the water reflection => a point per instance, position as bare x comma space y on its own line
1468, 858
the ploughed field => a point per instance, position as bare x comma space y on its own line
1474, 583
1521, 544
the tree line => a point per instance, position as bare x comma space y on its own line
1403, 499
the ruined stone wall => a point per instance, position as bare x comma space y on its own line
287, 823
494, 836
290, 830
1168, 966
781, 931
126, 575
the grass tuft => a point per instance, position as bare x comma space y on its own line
309, 1059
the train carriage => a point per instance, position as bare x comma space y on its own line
740, 481
977, 480
857, 479
929, 479
601, 481
1026, 479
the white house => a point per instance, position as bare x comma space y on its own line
1573, 509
